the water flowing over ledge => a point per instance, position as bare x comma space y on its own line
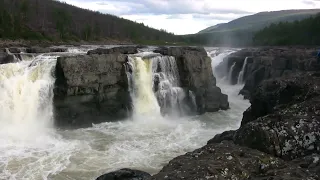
144, 142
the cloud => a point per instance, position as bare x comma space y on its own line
188, 16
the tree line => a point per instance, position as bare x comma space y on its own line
304, 32
56, 21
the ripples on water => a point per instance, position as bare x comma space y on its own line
143, 142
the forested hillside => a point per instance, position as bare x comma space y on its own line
240, 32
53, 20
304, 32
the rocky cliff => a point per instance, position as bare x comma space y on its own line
196, 75
279, 137
267, 63
93, 88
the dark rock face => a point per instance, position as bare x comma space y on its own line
283, 91
225, 136
284, 117
196, 75
37, 50
6, 57
268, 63
91, 89
119, 50
228, 161
125, 174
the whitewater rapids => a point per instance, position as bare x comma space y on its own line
30, 148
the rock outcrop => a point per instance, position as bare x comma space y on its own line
125, 174
119, 50
7, 57
91, 89
196, 75
268, 63
229, 161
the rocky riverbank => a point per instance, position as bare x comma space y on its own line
279, 137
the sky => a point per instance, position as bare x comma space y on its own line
188, 16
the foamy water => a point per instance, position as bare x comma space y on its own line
146, 142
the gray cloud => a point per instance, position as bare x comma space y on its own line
157, 7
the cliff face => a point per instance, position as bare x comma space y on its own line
93, 88
196, 75
268, 63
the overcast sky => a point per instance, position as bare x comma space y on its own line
188, 16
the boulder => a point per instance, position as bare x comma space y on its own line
58, 49
125, 174
281, 91
290, 133
118, 50
225, 136
226, 160
196, 75
91, 89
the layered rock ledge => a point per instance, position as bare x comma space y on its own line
94, 88
279, 137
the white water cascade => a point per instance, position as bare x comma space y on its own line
30, 149
26, 94
144, 100
241, 74
154, 84
230, 72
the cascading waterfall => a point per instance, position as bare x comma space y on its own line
26, 94
154, 84
166, 83
230, 72
241, 74
143, 97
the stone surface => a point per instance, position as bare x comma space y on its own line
282, 91
119, 50
91, 89
125, 174
226, 160
196, 75
37, 50
7, 57
268, 63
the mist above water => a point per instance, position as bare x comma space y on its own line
146, 142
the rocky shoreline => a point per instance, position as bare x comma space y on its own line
279, 137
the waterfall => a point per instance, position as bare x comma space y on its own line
26, 94
154, 84
230, 72
144, 100
166, 83
241, 74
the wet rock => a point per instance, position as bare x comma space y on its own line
7, 57
196, 75
37, 50
118, 50
91, 89
225, 136
226, 160
282, 91
125, 174
58, 49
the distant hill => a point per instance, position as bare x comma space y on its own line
240, 32
55, 21
304, 32
261, 20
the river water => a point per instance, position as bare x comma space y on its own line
31, 148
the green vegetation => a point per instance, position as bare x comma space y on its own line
304, 32
56, 21
240, 32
